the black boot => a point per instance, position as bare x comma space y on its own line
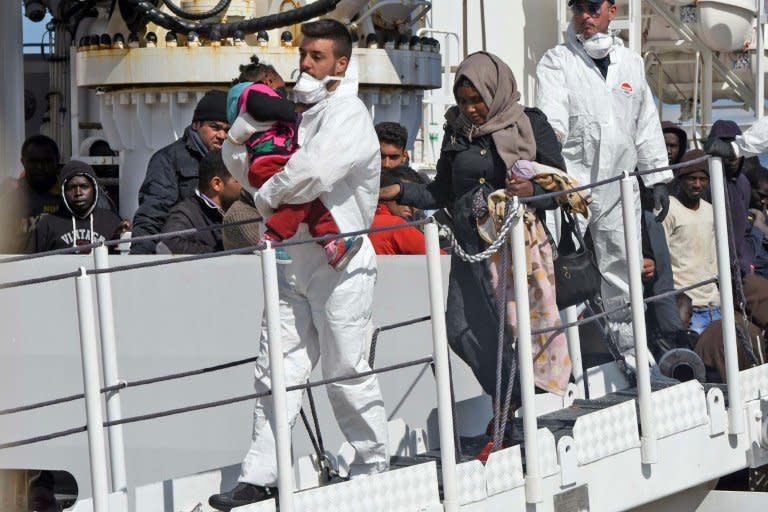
241, 495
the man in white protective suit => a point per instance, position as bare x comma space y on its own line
594, 93
324, 312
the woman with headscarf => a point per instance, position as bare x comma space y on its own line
490, 142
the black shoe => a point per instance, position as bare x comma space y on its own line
243, 494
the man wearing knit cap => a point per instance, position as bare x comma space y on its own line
172, 171
690, 231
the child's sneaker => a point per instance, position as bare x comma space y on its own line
281, 255
341, 251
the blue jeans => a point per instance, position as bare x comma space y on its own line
703, 316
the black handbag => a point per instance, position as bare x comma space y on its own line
577, 277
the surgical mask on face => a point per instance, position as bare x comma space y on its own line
598, 46
310, 90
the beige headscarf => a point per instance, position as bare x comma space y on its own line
506, 123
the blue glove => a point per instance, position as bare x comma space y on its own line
661, 200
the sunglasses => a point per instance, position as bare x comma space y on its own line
591, 8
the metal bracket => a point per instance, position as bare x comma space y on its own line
757, 421
718, 419
569, 464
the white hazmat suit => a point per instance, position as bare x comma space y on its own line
325, 313
607, 126
754, 141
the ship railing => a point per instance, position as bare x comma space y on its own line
512, 228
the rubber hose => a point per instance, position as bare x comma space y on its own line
178, 11
147, 9
683, 364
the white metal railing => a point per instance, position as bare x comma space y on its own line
533, 477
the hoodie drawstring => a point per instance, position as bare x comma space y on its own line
74, 230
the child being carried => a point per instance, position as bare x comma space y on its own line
265, 123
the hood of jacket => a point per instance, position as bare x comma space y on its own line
669, 127
78, 168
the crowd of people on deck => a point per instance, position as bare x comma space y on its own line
315, 165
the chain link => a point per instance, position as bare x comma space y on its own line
510, 214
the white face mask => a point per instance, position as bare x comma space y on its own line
598, 46
310, 90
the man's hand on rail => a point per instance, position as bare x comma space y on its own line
719, 147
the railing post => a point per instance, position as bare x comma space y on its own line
442, 375
90, 359
277, 378
733, 380
572, 333
648, 441
109, 363
574, 350
533, 493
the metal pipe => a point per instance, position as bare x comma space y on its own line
280, 424
760, 85
696, 72
94, 419
11, 90
446, 52
572, 333
689, 35
648, 442
533, 491
464, 26
442, 372
561, 15
733, 380
574, 350
661, 89
635, 26
111, 373
423, 3
706, 89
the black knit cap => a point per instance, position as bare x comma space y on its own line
76, 168
212, 107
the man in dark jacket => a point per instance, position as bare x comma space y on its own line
218, 190
77, 221
172, 171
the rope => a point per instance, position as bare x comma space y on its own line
219, 254
123, 385
374, 342
39, 280
172, 376
208, 405
501, 308
552, 195
46, 437
141, 238
297, 387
